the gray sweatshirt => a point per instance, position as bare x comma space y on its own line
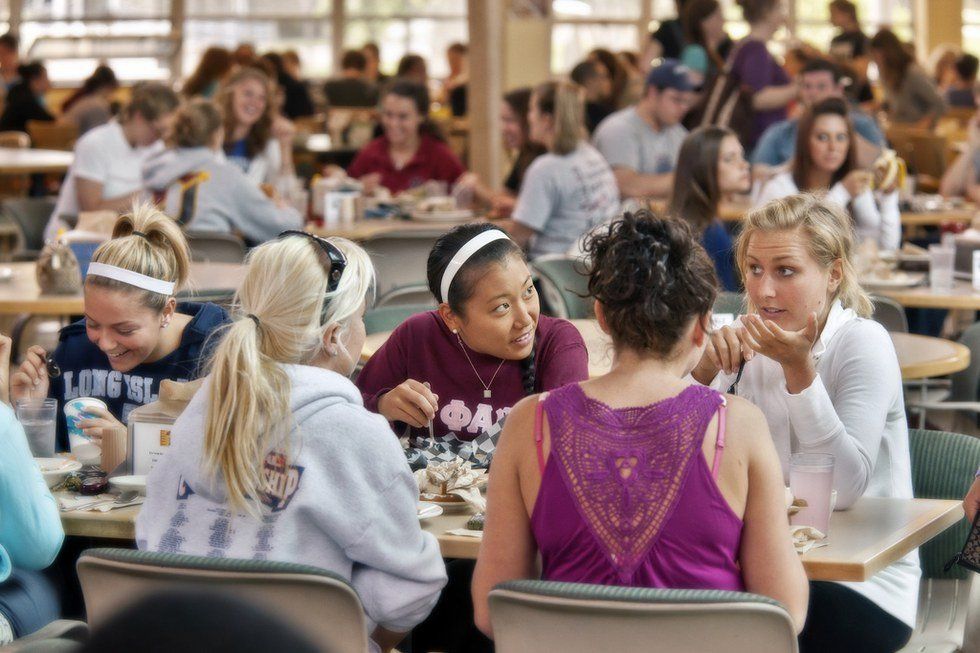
206, 193
339, 496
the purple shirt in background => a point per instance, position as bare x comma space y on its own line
758, 69
424, 349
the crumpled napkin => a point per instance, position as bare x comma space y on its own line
71, 502
456, 477
806, 538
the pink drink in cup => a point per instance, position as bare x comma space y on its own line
811, 478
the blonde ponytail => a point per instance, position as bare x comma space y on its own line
283, 310
146, 241
829, 237
565, 102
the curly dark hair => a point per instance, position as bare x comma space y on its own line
651, 277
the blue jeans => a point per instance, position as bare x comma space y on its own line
28, 601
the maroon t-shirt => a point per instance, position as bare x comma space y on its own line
433, 160
424, 349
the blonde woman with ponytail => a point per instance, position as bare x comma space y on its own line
277, 452
134, 333
570, 189
827, 379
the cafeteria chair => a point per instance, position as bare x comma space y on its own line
386, 318
889, 314
61, 635
960, 401
943, 465
49, 135
30, 216
215, 247
564, 286
529, 616
416, 293
399, 257
318, 603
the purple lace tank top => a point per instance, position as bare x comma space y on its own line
627, 498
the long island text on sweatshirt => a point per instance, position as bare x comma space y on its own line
85, 370
337, 495
424, 349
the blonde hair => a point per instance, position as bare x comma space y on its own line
565, 102
147, 241
196, 123
283, 310
829, 237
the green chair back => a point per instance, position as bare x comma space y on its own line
386, 318
564, 281
943, 465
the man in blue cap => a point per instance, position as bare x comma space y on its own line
642, 142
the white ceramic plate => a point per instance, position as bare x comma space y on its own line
127, 483
897, 280
442, 216
428, 510
447, 506
54, 470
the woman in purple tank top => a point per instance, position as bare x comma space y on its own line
640, 477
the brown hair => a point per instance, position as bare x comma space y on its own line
895, 56
695, 12
215, 64
196, 123
755, 10
696, 196
564, 101
802, 162
845, 7
651, 277
150, 243
829, 237
151, 100
519, 101
617, 71
260, 133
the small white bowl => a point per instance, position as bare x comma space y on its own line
128, 483
54, 470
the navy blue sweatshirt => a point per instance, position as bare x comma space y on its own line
85, 370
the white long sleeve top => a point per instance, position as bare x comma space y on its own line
876, 215
855, 410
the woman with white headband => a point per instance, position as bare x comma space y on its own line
462, 366
134, 333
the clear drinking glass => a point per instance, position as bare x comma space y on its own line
941, 260
37, 416
811, 478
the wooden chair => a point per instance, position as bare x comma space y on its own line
925, 152
531, 615
52, 135
317, 603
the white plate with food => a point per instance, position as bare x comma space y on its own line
129, 484
54, 470
448, 502
428, 510
893, 280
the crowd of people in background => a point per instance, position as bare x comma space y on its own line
589, 153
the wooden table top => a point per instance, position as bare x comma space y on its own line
919, 357
873, 534
21, 294
961, 296
361, 230
23, 161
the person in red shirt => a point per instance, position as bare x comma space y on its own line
410, 152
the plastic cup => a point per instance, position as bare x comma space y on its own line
811, 478
37, 416
941, 268
87, 452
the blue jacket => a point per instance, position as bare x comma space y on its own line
85, 370
718, 243
30, 525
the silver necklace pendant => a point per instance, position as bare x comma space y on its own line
486, 393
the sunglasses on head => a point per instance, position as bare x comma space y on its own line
337, 259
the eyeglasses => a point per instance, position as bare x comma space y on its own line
338, 262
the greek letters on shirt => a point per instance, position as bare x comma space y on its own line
458, 417
110, 384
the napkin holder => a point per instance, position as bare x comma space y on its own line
150, 425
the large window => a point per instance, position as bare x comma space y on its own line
971, 26
813, 19
582, 25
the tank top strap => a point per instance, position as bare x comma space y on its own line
539, 431
719, 439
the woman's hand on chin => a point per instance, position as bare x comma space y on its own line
791, 349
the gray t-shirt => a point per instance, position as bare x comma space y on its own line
563, 196
627, 141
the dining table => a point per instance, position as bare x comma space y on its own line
862, 540
20, 293
919, 356
22, 161
362, 230
962, 295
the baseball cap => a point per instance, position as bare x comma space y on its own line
671, 73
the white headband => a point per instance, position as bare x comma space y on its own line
465, 252
131, 278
